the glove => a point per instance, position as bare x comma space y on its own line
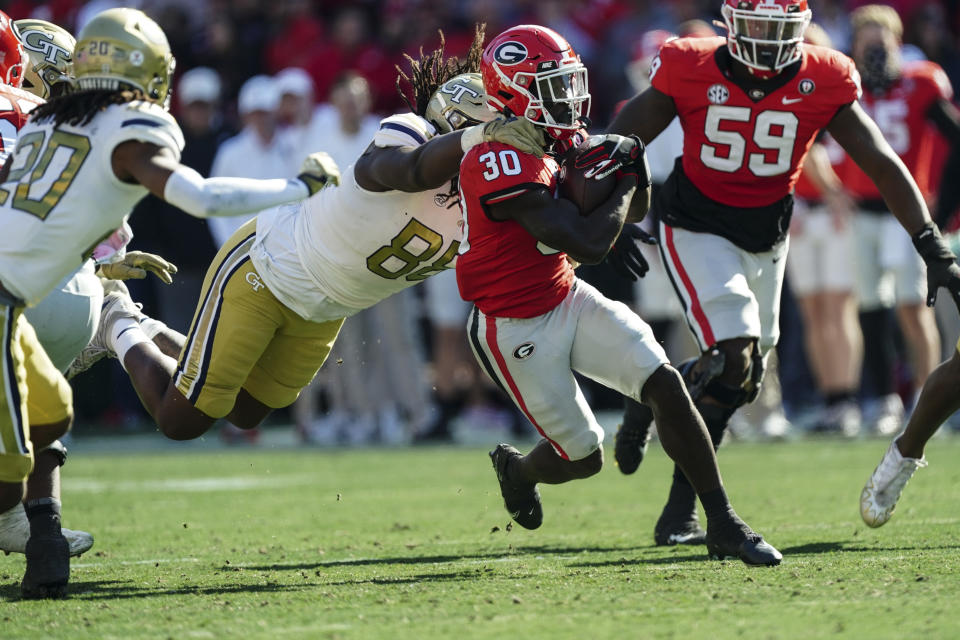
518, 133
625, 257
611, 153
942, 269
135, 266
319, 170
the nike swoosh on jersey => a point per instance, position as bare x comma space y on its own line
787, 100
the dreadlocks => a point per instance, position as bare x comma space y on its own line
432, 70
80, 107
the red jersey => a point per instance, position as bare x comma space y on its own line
744, 146
503, 269
901, 114
15, 104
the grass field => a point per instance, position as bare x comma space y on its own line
414, 543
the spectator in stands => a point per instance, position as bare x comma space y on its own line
257, 151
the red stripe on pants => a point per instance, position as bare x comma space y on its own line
491, 340
695, 307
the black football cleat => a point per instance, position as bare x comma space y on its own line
751, 549
630, 444
522, 501
672, 529
48, 568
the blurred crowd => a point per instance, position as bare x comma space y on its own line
261, 84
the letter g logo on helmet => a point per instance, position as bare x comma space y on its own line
510, 53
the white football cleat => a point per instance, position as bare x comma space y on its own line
116, 304
882, 491
15, 531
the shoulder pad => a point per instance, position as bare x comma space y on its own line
146, 122
403, 130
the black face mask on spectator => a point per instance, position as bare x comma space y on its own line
878, 70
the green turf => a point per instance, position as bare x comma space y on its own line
415, 544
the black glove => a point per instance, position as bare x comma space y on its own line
610, 153
942, 269
625, 256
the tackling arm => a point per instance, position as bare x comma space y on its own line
156, 168
646, 115
410, 169
557, 222
946, 117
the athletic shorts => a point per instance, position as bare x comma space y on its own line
533, 360
242, 337
33, 392
821, 257
725, 291
889, 270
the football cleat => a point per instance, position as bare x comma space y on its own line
750, 548
882, 491
522, 501
630, 445
15, 531
672, 530
48, 567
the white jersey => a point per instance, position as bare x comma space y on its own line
61, 197
345, 248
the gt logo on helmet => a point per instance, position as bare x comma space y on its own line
510, 53
38, 41
457, 89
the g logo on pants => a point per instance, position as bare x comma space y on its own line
524, 351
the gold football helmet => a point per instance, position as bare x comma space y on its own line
459, 102
123, 48
50, 50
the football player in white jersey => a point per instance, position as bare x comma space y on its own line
79, 165
278, 291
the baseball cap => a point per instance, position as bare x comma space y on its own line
201, 84
296, 81
259, 93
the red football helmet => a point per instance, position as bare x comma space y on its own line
11, 54
765, 34
531, 72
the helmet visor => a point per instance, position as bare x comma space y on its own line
565, 95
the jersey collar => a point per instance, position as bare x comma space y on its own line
755, 89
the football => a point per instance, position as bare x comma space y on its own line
586, 193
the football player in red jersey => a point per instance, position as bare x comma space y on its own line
904, 98
534, 323
751, 105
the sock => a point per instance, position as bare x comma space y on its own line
124, 335
635, 413
151, 326
44, 516
683, 499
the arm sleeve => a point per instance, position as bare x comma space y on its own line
207, 197
660, 71
149, 124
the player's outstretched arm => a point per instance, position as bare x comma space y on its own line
436, 162
861, 138
645, 115
557, 222
157, 169
946, 117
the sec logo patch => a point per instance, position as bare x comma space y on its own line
718, 94
524, 351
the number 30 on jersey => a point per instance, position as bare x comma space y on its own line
774, 131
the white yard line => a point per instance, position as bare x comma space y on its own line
187, 485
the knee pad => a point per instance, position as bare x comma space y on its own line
58, 449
